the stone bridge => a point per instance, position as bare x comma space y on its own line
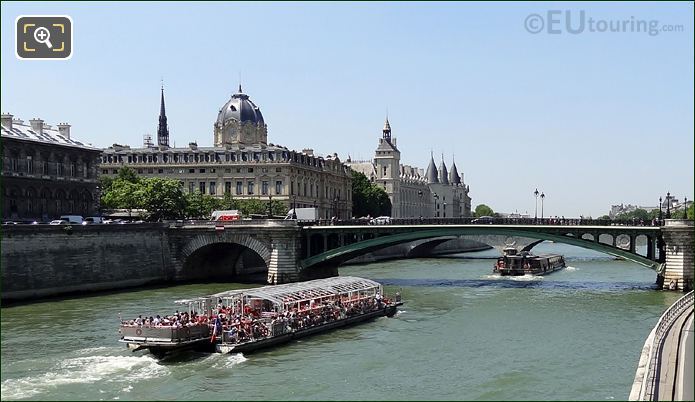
46, 260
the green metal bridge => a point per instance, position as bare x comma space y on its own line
333, 245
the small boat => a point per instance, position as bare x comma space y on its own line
525, 263
246, 320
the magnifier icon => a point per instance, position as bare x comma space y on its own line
43, 35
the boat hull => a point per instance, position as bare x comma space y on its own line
248, 347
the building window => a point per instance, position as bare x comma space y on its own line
191, 187
201, 187
141, 171
30, 165
150, 170
85, 170
278, 187
228, 170
384, 170
264, 170
227, 187
201, 171
73, 169
250, 188
250, 170
160, 171
60, 168
238, 170
278, 170
104, 171
191, 170
239, 188
213, 188
264, 188
44, 168
305, 194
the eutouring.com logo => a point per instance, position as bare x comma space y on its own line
557, 22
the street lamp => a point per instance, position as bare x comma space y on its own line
535, 215
668, 205
542, 198
685, 207
419, 193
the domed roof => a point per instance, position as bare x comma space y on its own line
240, 108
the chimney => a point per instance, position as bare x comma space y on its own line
193, 145
308, 151
64, 130
37, 125
7, 121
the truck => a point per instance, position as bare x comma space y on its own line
225, 216
303, 214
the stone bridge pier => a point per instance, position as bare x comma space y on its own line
679, 240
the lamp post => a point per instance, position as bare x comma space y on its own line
668, 205
444, 210
685, 207
419, 193
542, 198
535, 215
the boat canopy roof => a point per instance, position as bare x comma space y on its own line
298, 291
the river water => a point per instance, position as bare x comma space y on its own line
462, 334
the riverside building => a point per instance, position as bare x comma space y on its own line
242, 163
414, 192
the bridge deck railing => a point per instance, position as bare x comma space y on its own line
481, 221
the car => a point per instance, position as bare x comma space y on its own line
58, 222
484, 220
92, 219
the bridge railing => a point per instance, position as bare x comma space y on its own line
483, 221
651, 378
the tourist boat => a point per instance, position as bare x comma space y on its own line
246, 320
513, 263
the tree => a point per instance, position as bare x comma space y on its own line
691, 211
200, 206
483, 210
368, 198
162, 198
637, 214
122, 194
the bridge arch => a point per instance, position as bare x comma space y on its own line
225, 257
341, 254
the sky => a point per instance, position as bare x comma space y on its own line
518, 98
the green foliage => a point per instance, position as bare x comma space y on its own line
368, 198
638, 214
483, 210
122, 194
691, 212
162, 198
200, 206
128, 174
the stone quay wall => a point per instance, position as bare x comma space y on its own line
42, 261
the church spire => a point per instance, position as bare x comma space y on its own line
163, 128
387, 130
